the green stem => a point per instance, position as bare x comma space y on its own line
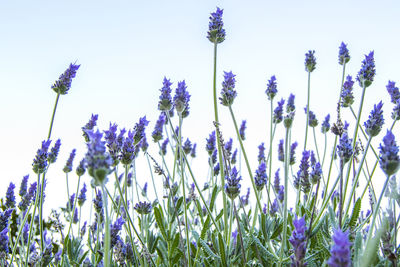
341, 193
107, 229
19, 235
308, 110
323, 157
221, 163
52, 116
270, 150
74, 207
285, 211
376, 211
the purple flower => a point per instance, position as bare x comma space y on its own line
316, 173
281, 151
216, 32
261, 153
389, 154
210, 146
81, 169
143, 208
165, 103
89, 126
181, 99
68, 165
216, 169
292, 156
163, 150
277, 117
98, 203
346, 95
340, 250
214, 156
344, 56
242, 129
281, 193
10, 196
396, 111
271, 88
234, 155
157, 134
63, 84
298, 241
345, 148
310, 61
138, 130
40, 161
26, 199
4, 241
82, 196
325, 126
4, 218
260, 179
114, 142
228, 93
274, 208
187, 146
290, 107
24, 186
98, 160
128, 149
393, 91
228, 146
312, 120
115, 228
193, 151
52, 157
144, 145
366, 75
277, 185
303, 174
245, 199
144, 190
375, 121
232, 186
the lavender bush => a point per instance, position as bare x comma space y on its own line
338, 218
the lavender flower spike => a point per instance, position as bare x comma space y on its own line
366, 75
298, 241
242, 130
40, 161
340, 250
68, 165
232, 186
278, 112
165, 103
139, 128
325, 126
344, 56
228, 93
271, 88
157, 134
347, 97
216, 32
389, 154
210, 146
260, 179
10, 196
312, 119
292, 155
54, 152
63, 84
310, 61
345, 148
375, 121
181, 98
393, 92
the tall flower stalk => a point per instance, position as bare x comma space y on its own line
310, 64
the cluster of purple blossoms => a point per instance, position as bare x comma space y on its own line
4, 218
389, 154
228, 147
210, 146
292, 155
82, 196
277, 117
298, 241
373, 125
310, 61
234, 156
232, 186
325, 126
52, 157
143, 207
281, 151
216, 169
316, 173
89, 126
216, 32
187, 146
242, 130
40, 161
312, 119
81, 169
23, 189
68, 165
228, 93
138, 130
28, 197
98, 160
302, 178
393, 92
340, 250
290, 109
165, 103
274, 208
366, 75
260, 179
271, 88
344, 56
347, 97
128, 149
63, 84
163, 150
193, 151
244, 200
277, 181
114, 142
10, 196
115, 228
157, 134
181, 99
261, 153
345, 148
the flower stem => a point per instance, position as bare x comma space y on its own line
107, 229
53, 115
341, 193
308, 110
270, 151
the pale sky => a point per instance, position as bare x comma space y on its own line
125, 48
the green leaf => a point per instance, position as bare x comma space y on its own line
221, 244
277, 231
355, 214
177, 257
206, 226
208, 251
160, 222
175, 243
